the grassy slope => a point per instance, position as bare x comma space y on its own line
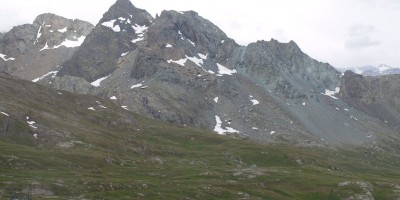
152, 160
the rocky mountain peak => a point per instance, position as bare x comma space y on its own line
40, 47
53, 30
119, 32
124, 10
179, 35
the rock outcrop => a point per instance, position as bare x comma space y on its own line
376, 96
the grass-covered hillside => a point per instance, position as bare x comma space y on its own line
58, 145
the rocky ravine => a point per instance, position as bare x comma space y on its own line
32, 50
181, 68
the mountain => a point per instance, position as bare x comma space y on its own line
373, 71
170, 107
60, 145
31, 50
181, 68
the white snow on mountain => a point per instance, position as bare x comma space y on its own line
2, 56
110, 24
97, 82
62, 30
222, 70
222, 131
52, 73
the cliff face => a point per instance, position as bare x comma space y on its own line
376, 96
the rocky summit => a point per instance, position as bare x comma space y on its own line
181, 68
31, 50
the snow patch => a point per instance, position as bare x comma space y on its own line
202, 56
211, 72
71, 43
4, 57
332, 93
351, 117
45, 47
222, 41
125, 107
254, 128
255, 102
220, 130
31, 123
168, 45
52, 73
191, 42
97, 82
216, 99
110, 24
4, 113
62, 30
179, 32
48, 26
304, 103
39, 34
222, 70
113, 98
139, 30
272, 132
124, 54
180, 62
197, 61
137, 39
91, 108
136, 86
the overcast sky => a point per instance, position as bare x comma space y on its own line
341, 32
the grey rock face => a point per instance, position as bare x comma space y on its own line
40, 47
285, 69
376, 96
115, 35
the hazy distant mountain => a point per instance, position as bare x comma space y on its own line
370, 70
